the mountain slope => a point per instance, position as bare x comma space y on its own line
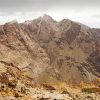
51, 51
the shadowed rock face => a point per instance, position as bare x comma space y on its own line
50, 51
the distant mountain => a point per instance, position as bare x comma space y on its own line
50, 51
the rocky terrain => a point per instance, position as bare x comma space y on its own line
44, 51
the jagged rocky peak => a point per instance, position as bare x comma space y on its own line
13, 21
66, 21
28, 22
47, 18
12, 26
67, 24
34, 21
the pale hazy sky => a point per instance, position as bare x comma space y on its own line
84, 11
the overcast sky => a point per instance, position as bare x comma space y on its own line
84, 11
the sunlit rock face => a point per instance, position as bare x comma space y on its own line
51, 51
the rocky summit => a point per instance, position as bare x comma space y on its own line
46, 51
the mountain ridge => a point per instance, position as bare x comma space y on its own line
63, 51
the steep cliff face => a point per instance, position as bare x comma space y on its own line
19, 49
51, 51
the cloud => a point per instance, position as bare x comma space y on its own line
38, 5
78, 10
96, 15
